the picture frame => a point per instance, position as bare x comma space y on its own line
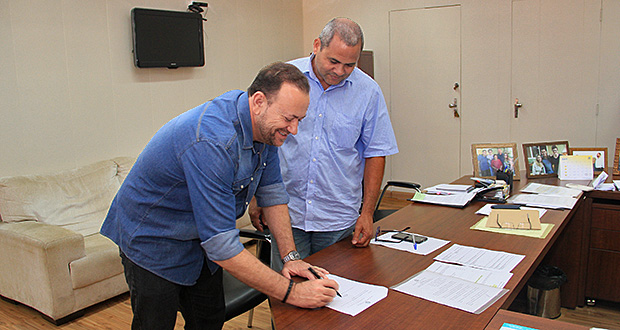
616, 169
599, 157
549, 152
505, 154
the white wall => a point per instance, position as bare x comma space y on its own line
70, 94
485, 67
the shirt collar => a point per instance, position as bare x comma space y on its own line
245, 119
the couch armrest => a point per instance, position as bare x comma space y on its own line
34, 265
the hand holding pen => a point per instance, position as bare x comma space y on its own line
318, 277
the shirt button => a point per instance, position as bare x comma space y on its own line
314, 159
246, 203
252, 179
316, 137
264, 164
320, 115
311, 181
309, 202
241, 186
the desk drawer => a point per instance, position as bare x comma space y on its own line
605, 216
605, 239
603, 280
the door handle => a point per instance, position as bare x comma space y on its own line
517, 106
455, 108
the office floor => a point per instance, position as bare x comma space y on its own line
116, 314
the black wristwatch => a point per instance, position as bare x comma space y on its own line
293, 255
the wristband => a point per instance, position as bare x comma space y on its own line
288, 291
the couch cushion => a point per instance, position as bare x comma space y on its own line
77, 200
124, 166
101, 262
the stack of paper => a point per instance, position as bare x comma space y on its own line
468, 278
447, 194
606, 187
550, 190
549, 202
541, 233
480, 258
547, 196
452, 188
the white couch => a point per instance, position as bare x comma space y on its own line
52, 257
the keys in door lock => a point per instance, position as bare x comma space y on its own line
454, 108
517, 106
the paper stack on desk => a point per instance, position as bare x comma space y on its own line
467, 278
457, 195
547, 196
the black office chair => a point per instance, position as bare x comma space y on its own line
239, 297
380, 214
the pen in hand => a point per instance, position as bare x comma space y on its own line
319, 277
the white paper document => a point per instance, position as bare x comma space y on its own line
458, 188
599, 180
457, 199
430, 245
356, 296
549, 190
486, 210
480, 258
480, 276
606, 187
549, 202
450, 291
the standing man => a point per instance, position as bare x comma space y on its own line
174, 216
554, 159
341, 145
483, 164
545, 160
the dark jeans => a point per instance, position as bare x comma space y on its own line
155, 301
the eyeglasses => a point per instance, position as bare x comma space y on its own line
378, 232
511, 225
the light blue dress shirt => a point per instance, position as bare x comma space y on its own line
191, 182
323, 165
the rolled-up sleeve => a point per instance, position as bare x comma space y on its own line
223, 246
271, 195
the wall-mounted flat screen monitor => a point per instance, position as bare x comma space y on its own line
170, 39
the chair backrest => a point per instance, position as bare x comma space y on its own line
240, 298
380, 214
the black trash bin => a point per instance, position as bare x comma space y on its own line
543, 291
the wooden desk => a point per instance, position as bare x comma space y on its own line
588, 249
383, 266
504, 316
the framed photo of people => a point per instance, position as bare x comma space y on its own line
490, 158
616, 169
542, 159
599, 157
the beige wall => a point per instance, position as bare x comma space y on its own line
70, 94
486, 68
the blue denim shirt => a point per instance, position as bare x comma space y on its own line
195, 177
323, 165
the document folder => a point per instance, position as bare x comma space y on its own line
514, 219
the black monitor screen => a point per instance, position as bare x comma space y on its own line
169, 39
